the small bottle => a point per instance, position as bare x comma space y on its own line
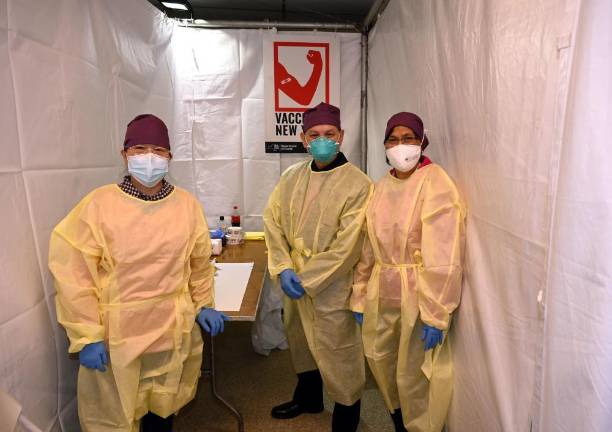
235, 217
222, 224
223, 227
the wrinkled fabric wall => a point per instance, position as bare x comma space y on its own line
516, 97
220, 132
577, 385
72, 74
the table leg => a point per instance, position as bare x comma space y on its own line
216, 395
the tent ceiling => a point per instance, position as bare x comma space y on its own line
316, 11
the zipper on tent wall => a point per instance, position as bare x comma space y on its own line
566, 50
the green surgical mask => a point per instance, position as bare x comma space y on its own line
323, 149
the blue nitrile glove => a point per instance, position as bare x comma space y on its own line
212, 321
432, 337
358, 317
93, 356
291, 284
216, 234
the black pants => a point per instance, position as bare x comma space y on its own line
154, 423
309, 393
345, 418
398, 421
309, 390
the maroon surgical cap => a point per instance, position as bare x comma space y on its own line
146, 129
323, 113
408, 120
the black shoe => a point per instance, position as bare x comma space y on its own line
345, 418
293, 409
307, 397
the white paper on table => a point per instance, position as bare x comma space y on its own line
231, 282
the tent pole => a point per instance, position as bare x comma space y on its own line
269, 25
372, 16
364, 102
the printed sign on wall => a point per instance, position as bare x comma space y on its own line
299, 72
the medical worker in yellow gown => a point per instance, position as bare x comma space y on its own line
132, 271
408, 281
313, 224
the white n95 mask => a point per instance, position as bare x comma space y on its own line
148, 168
404, 157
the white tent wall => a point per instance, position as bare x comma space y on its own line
578, 333
72, 74
220, 131
490, 80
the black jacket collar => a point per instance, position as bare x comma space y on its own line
339, 161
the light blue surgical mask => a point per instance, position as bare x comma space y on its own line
148, 168
323, 149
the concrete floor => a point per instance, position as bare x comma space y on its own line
254, 384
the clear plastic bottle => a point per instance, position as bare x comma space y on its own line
235, 217
222, 224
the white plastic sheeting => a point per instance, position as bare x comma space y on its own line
72, 74
220, 132
491, 81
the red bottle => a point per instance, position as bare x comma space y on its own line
235, 217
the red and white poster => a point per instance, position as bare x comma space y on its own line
299, 72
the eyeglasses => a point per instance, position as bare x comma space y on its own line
393, 141
141, 149
331, 136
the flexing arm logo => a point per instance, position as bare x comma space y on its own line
296, 63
